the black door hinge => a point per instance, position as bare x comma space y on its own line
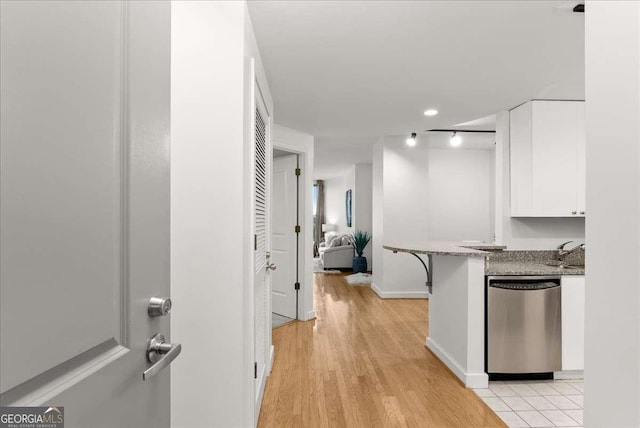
255, 242
255, 370
296, 229
298, 172
296, 286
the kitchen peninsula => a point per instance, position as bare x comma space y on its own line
455, 275
456, 305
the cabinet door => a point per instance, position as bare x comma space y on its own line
554, 168
573, 296
520, 160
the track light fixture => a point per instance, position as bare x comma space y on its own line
456, 140
411, 141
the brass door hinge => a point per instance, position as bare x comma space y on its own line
298, 172
297, 229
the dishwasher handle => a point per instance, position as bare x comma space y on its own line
524, 286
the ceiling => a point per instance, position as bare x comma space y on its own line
344, 69
334, 155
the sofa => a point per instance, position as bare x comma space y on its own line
336, 252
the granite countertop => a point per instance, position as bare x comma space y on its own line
445, 248
527, 268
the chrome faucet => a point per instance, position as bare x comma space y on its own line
562, 253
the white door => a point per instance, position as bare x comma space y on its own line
84, 208
283, 235
262, 304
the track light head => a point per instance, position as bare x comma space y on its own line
411, 141
456, 140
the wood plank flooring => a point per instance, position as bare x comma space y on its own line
363, 363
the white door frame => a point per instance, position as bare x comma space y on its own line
261, 106
252, 91
305, 151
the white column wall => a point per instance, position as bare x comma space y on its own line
207, 155
612, 327
377, 210
212, 96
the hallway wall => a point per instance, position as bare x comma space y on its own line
215, 64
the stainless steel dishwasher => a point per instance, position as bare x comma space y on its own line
523, 324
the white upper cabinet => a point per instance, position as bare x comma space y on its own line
547, 142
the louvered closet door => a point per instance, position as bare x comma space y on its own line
261, 221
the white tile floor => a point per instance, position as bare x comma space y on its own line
548, 403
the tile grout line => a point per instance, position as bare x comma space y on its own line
542, 403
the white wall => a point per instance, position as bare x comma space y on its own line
461, 191
303, 144
525, 233
363, 214
212, 380
358, 178
612, 336
334, 202
428, 192
405, 208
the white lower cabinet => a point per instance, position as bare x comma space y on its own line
573, 293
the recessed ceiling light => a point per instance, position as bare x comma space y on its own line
430, 112
411, 141
456, 140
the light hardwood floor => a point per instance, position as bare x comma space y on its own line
363, 363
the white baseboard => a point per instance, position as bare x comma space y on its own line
310, 315
263, 381
470, 380
569, 374
263, 384
399, 294
271, 357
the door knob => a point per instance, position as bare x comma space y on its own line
271, 266
159, 306
160, 353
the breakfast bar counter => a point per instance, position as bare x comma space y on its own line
455, 276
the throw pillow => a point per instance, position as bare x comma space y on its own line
346, 240
328, 237
335, 242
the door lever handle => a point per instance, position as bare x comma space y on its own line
271, 266
160, 353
